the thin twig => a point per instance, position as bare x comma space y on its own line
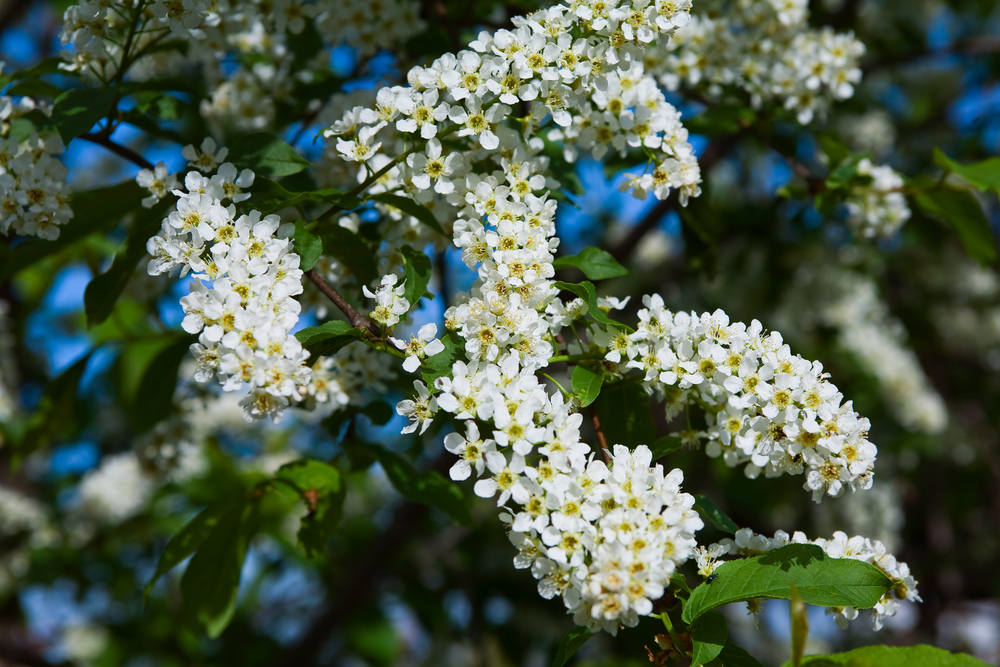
118, 149
601, 440
973, 46
353, 316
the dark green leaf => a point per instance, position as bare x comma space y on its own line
150, 126
103, 291
186, 542
961, 210
723, 119
711, 511
893, 656
49, 65
34, 88
327, 338
834, 147
570, 644
585, 291
587, 384
322, 488
270, 196
352, 252
708, 636
595, 263
410, 207
54, 411
625, 415
668, 444
77, 111
440, 364
821, 580
156, 390
95, 210
307, 246
427, 488
841, 175
266, 155
735, 656
212, 578
418, 274
984, 175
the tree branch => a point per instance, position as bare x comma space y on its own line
601, 439
12, 12
118, 149
353, 316
973, 46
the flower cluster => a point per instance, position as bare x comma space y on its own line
748, 543
849, 302
34, 197
766, 407
116, 490
878, 209
591, 87
765, 48
211, 33
20, 513
241, 302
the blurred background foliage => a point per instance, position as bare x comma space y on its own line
401, 584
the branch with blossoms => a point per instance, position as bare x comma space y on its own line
564, 405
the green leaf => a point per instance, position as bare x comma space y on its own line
54, 411
735, 656
418, 274
984, 175
322, 488
708, 636
893, 656
351, 250
570, 644
103, 291
34, 88
327, 338
625, 415
595, 263
440, 364
34, 121
270, 196
585, 291
668, 444
410, 207
77, 111
266, 155
307, 246
155, 396
722, 119
427, 488
820, 579
834, 147
48, 65
711, 511
212, 578
960, 209
587, 384
96, 210
185, 542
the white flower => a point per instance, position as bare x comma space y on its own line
419, 347
420, 411
160, 182
389, 301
